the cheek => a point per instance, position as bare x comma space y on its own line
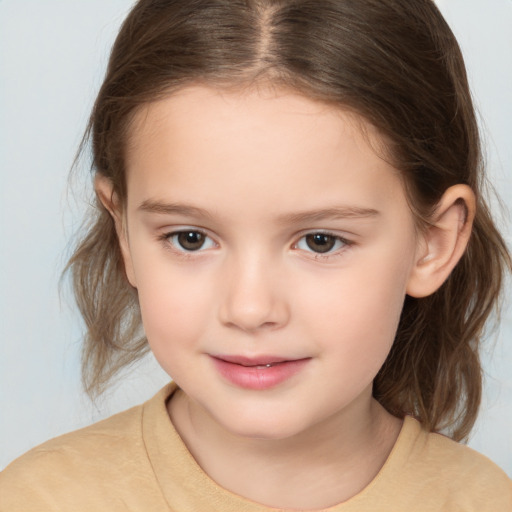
175, 308
366, 293
355, 334
357, 312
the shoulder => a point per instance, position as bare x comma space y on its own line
460, 459
42, 473
98, 439
456, 475
79, 467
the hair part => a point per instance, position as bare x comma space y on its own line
397, 64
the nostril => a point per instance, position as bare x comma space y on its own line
253, 317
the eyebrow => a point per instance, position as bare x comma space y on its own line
341, 212
152, 206
334, 213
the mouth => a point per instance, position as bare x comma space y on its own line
255, 362
258, 373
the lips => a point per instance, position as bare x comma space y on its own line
258, 373
252, 362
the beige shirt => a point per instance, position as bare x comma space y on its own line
136, 461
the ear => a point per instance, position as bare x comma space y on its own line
444, 242
105, 192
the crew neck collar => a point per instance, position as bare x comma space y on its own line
183, 482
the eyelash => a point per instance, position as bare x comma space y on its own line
345, 244
166, 238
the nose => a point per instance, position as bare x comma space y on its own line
253, 296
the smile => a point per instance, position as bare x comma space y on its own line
258, 373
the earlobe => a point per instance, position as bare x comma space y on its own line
444, 242
105, 191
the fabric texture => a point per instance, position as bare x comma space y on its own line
136, 461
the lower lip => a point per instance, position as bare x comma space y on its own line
254, 377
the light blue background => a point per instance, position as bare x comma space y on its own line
52, 58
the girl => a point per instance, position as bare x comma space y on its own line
290, 207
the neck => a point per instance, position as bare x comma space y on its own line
325, 465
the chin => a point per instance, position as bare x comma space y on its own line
272, 427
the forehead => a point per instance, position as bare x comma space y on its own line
258, 143
262, 106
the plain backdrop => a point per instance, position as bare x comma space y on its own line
52, 58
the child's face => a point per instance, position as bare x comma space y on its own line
296, 248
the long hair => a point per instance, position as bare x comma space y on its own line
397, 64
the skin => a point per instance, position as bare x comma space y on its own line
254, 160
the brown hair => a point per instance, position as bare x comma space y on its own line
394, 62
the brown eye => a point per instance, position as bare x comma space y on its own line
320, 242
188, 240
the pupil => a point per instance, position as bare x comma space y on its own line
191, 240
320, 243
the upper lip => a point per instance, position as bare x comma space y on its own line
261, 360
